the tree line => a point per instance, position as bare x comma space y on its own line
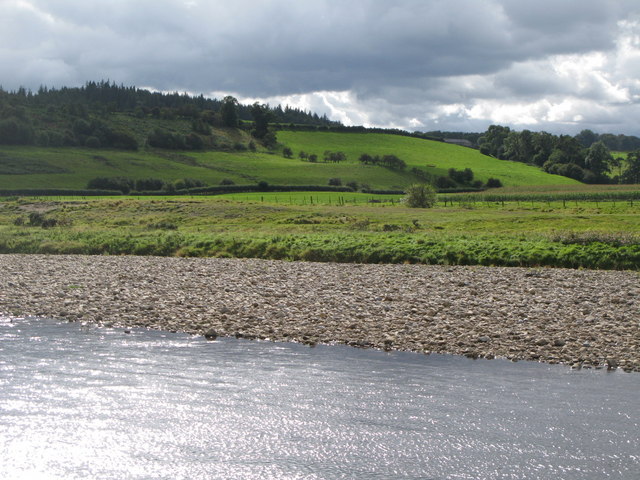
562, 154
82, 116
106, 96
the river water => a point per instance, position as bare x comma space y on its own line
81, 402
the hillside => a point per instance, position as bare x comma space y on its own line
65, 138
433, 157
73, 167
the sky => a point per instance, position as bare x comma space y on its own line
456, 65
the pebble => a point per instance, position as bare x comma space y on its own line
472, 311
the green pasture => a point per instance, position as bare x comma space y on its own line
311, 198
73, 167
581, 234
432, 156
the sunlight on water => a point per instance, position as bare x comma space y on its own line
81, 402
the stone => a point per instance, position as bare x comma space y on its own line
211, 334
395, 307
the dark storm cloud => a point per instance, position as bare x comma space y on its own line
426, 53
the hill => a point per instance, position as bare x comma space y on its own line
24, 167
436, 158
65, 138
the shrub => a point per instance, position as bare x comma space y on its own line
201, 127
463, 177
420, 195
227, 181
149, 184
160, 138
121, 140
393, 162
287, 152
445, 182
92, 142
493, 183
334, 157
335, 181
115, 183
184, 183
16, 132
194, 142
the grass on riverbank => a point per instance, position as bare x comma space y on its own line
532, 234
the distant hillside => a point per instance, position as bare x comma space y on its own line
72, 167
68, 137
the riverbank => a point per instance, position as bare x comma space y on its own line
582, 318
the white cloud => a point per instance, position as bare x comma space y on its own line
406, 63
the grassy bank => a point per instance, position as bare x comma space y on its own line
582, 234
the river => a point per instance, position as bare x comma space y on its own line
77, 401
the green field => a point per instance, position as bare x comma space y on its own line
434, 157
73, 167
580, 234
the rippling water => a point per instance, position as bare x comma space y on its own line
81, 402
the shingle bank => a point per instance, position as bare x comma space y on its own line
581, 318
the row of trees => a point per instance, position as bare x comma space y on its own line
557, 154
81, 116
389, 161
126, 185
106, 96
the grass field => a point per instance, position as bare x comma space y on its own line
432, 156
583, 234
72, 168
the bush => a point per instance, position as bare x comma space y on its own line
149, 184
115, 183
493, 183
287, 152
194, 142
160, 138
463, 177
393, 162
445, 182
227, 181
184, 183
420, 195
16, 132
92, 142
335, 181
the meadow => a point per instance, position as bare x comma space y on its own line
320, 227
434, 157
29, 167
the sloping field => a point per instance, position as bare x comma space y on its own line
35, 167
434, 157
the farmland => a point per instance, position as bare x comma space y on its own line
320, 227
23, 167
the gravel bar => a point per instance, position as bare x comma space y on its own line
582, 318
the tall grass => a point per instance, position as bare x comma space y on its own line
582, 236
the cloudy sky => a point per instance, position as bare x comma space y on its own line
555, 65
